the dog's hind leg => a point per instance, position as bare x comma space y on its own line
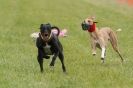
113, 40
120, 55
116, 49
40, 58
61, 57
47, 57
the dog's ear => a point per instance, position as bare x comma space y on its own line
95, 22
49, 26
93, 17
41, 26
39, 35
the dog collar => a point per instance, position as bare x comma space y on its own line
92, 28
48, 38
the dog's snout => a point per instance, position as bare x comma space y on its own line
46, 35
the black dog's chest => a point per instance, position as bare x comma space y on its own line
47, 49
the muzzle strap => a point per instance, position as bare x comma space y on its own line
92, 28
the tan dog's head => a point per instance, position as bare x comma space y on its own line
90, 20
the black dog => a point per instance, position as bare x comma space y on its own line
49, 44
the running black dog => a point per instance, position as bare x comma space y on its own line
49, 44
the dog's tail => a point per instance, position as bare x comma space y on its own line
113, 40
55, 30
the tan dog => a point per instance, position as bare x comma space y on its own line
100, 38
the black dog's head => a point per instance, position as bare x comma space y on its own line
45, 31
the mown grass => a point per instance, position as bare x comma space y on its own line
18, 63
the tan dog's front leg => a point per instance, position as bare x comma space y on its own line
93, 45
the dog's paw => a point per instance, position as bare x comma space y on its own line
102, 60
65, 73
52, 68
94, 53
41, 71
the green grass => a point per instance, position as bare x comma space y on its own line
18, 64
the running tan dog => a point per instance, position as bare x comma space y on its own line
100, 38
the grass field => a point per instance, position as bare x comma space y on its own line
18, 64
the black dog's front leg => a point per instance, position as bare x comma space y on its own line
54, 58
40, 58
40, 61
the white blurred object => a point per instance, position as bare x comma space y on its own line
63, 33
34, 35
119, 29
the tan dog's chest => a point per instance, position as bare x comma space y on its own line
100, 36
